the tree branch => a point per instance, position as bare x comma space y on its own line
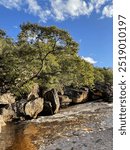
41, 68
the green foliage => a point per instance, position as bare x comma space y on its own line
47, 56
103, 75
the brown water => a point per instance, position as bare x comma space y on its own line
43, 131
29, 136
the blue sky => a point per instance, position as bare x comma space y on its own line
88, 21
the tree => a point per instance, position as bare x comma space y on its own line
47, 56
103, 75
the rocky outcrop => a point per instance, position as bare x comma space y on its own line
102, 91
34, 107
108, 93
52, 96
77, 95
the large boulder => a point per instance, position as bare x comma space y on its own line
108, 93
6, 102
102, 91
8, 113
34, 107
77, 95
52, 96
7, 98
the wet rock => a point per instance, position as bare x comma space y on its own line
52, 96
34, 107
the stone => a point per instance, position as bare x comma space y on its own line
64, 100
80, 97
77, 95
7, 98
34, 92
52, 96
6, 102
19, 107
2, 122
7, 113
102, 91
47, 109
34, 107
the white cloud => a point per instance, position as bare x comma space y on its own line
107, 11
11, 4
35, 9
98, 3
89, 59
59, 9
71, 8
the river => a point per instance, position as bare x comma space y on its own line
86, 127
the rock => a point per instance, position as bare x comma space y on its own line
47, 109
64, 100
102, 91
2, 122
80, 97
52, 96
8, 113
19, 107
77, 95
60, 91
6, 102
7, 98
34, 92
108, 93
34, 107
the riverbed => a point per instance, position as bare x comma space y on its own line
87, 126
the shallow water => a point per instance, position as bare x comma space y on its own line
70, 122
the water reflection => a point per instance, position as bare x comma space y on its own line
18, 137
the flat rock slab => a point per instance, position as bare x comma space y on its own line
81, 127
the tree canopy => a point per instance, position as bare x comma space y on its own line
47, 56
